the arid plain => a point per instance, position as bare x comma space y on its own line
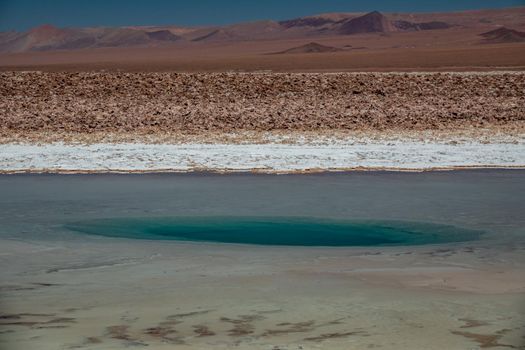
359, 42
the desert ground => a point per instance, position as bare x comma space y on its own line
457, 41
157, 103
408, 54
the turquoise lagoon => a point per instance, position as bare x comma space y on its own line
277, 231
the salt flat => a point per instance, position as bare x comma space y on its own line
269, 157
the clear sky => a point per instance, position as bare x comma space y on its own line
24, 14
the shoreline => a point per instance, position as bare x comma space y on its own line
306, 156
254, 172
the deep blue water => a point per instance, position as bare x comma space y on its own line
289, 231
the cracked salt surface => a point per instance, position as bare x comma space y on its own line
269, 157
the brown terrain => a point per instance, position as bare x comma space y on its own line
157, 103
105, 80
504, 35
470, 40
310, 48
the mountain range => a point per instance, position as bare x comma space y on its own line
49, 38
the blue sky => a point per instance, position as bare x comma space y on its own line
24, 14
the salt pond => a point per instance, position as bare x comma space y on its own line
114, 261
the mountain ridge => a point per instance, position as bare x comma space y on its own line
503, 35
50, 38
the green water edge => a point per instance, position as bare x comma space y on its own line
277, 231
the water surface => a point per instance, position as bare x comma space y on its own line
277, 231
321, 209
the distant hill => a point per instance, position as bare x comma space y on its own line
373, 22
309, 48
503, 35
376, 22
242, 31
163, 35
50, 38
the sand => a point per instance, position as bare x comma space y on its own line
407, 52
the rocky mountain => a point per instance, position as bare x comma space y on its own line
411, 26
307, 22
162, 35
242, 31
49, 38
373, 22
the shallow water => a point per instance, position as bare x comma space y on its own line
277, 231
62, 288
40, 206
